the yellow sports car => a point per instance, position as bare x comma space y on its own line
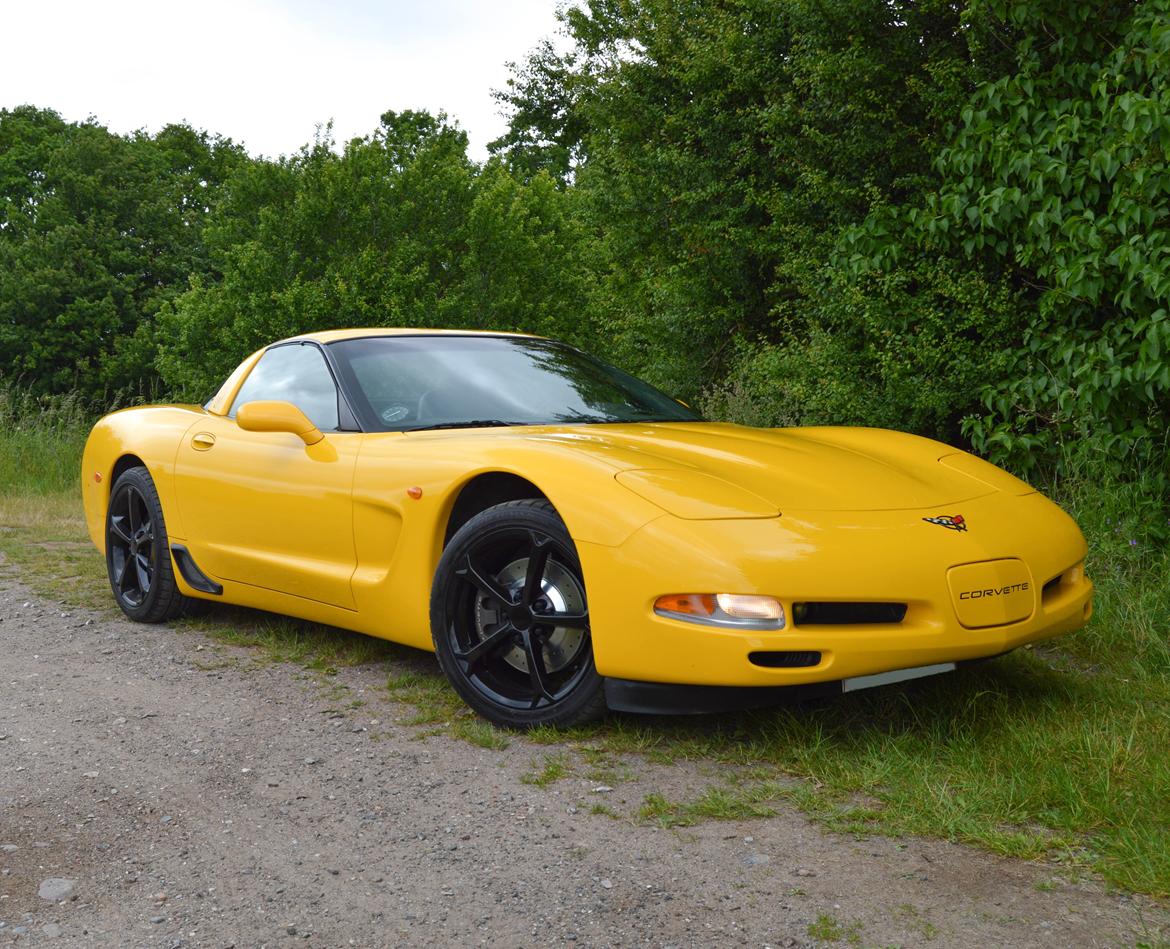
565, 536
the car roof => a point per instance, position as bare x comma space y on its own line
332, 336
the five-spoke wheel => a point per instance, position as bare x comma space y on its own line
138, 556
510, 619
131, 546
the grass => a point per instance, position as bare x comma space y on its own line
40, 443
829, 929
434, 701
911, 917
284, 639
1058, 752
716, 803
554, 768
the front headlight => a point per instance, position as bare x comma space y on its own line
731, 610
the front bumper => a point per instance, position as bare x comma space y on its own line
883, 556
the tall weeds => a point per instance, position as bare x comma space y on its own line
41, 438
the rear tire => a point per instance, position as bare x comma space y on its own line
138, 553
510, 622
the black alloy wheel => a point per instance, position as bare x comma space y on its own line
138, 555
131, 547
510, 619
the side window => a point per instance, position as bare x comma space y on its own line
295, 374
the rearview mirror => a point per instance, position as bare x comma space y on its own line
277, 417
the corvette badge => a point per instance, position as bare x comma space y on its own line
954, 522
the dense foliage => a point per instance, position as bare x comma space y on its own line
97, 233
944, 216
1056, 186
400, 229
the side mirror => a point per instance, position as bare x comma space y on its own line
277, 417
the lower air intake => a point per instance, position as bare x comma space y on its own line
847, 614
784, 660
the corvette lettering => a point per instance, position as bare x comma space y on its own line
995, 591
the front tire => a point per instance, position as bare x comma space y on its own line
138, 553
510, 621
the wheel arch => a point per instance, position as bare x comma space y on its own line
124, 463
145, 435
484, 490
99, 492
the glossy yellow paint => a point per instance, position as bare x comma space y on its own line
992, 592
328, 531
275, 417
803, 556
272, 512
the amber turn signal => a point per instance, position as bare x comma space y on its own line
689, 604
735, 610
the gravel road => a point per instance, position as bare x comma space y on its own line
160, 789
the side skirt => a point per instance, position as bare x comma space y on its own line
196, 578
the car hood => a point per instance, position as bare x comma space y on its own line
705, 470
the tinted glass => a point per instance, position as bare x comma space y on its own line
406, 382
294, 373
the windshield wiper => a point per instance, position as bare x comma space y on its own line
610, 420
573, 419
471, 423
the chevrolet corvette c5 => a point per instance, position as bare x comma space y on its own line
566, 537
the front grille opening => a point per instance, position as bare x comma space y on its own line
1050, 589
776, 659
847, 614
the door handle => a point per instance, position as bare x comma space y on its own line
202, 441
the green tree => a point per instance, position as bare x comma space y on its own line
720, 148
400, 229
97, 232
1056, 185
547, 126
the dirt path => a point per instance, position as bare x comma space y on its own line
236, 806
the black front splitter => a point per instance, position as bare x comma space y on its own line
668, 698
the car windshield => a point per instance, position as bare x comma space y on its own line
405, 383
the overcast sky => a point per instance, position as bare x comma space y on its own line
267, 72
